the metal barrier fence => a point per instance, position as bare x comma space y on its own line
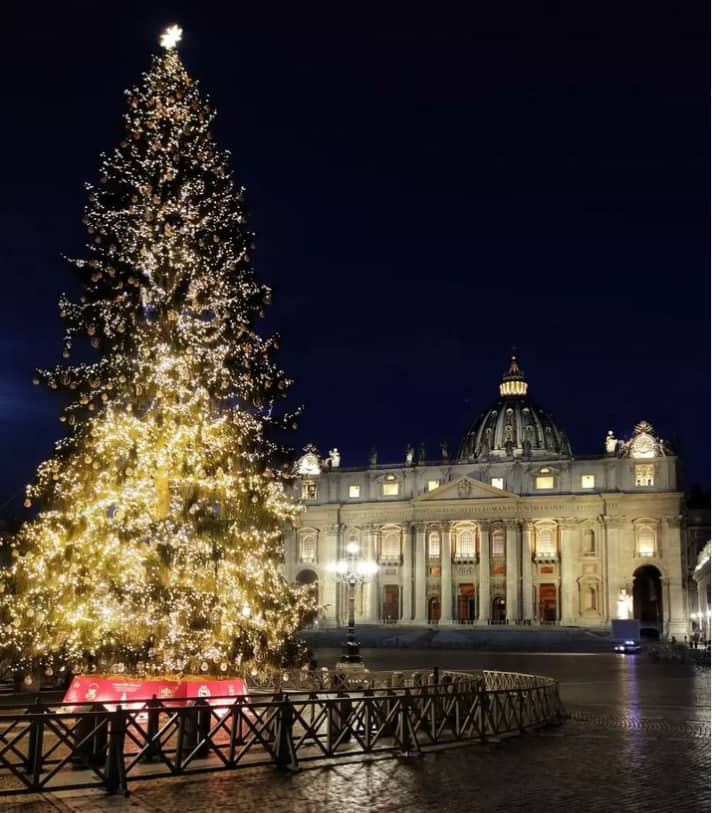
51, 747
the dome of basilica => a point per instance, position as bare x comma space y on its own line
514, 426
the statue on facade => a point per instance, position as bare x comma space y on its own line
373, 456
526, 448
445, 451
508, 448
421, 453
409, 453
334, 458
611, 443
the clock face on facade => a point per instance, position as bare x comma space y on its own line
643, 446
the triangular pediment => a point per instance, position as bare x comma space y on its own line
465, 488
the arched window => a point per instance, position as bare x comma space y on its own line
545, 543
391, 546
591, 598
465, 547
645, 540
498, 542
433, 545
307, 547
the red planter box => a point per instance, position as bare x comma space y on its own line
132, 692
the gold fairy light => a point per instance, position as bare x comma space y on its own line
158, 535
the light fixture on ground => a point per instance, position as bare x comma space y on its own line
352, 571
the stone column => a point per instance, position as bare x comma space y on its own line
615, 578
484, 585
569, 571
407, 574
702, 606
373, 585
330, 551
527, 586
421, 574
671, 543
512, 571
445, 575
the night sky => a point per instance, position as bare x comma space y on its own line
427, 191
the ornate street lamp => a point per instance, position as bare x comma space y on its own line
352, 571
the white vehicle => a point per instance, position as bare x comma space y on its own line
625, 635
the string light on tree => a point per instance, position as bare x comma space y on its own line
158, 535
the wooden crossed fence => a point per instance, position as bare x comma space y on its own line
49, 747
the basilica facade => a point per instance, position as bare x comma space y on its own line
513, 529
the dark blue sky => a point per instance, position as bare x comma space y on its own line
427, 190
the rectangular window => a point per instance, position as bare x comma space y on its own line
545, 543
498, 542
588, 481
644, 474
434, 571
497, 482
434, 546
646, 541
390, 489
308, 490
433, 484
307, 551
354, 492
465, 547
545, 482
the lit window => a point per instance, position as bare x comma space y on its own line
498, 542
466, 545
644, 474
588, 481
390, 547
307, 548
308, 490
545, 470
545, 482
646, 541
545, 546
434, 545
497, 482
433, 484
354, 492
390, 489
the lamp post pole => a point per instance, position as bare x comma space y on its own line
351, 572
351, 653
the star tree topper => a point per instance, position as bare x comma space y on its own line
171, 37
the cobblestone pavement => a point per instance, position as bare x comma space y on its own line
638, 740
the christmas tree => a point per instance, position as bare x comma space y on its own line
157, 544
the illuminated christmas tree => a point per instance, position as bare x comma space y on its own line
157, 545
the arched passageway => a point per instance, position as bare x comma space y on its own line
648, 597
311, 580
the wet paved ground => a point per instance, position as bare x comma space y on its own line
638, 740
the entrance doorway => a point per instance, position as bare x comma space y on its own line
311, 580
433, 610
648, 597
391, 603
499, 610
547, 603
466, 603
